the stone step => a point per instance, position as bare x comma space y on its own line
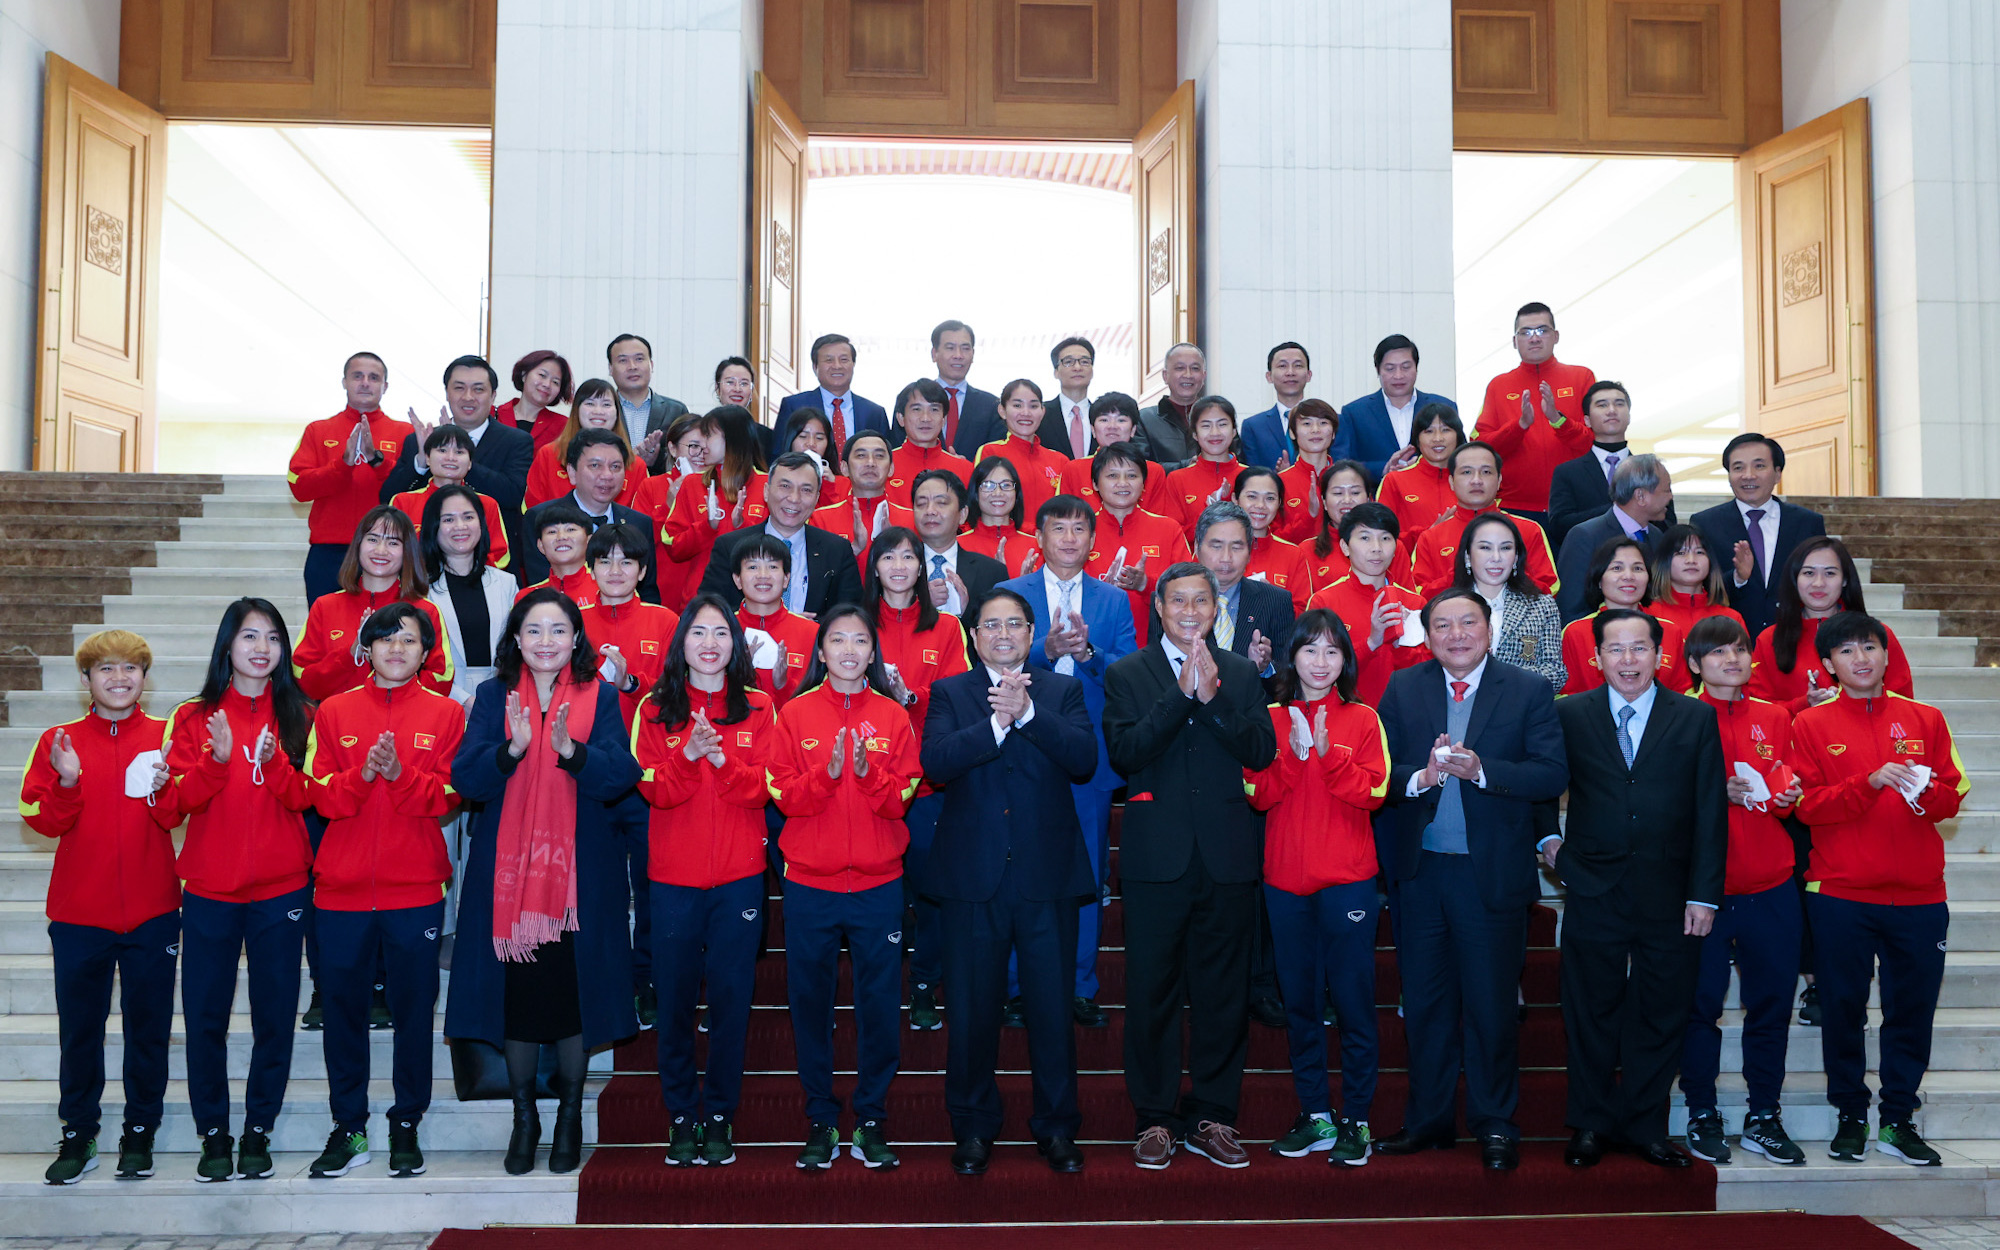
226, 557
254, 508
1932, 684
249, 529
1935, 652
1877, 1186
203, 607
463, 1189
179, 582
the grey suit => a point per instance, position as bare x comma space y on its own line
1163, 441
660, 415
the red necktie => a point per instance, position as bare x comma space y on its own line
950, 415
1076, 443
1458, 689
838, 438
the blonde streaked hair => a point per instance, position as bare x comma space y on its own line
114, 644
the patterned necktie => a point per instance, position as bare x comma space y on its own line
1077, 447
1611, 467
1625, 715
838, 438
1755, 517
1458, 689
1225, 628
1067, 664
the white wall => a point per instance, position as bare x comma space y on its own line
82, 31
1324, 186
1931, 72
620, 184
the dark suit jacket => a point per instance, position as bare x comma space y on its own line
1573, 564
1518, 739
1721, 528
1162, 440
831, 573
534, 566
978, 423
1578, 491
500, 462
1365, 433
980, 574
1183, 763
1264, 439
1107, 614
1666, 817
660, 415
1008, 807
868, 415
1262, 608
1055, 428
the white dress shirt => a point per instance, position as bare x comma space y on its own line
422, 463
1471, 681
1055, 589
845, 425
1401, 419
1002, 728
953, 605
636, 416
1769, 524
1079, 410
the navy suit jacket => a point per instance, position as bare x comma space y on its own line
533, 566
868, 415
1519, 740
1721, 528
1007, 806
1578, 491
831, 574
1265, 438
1573, 562
1107, 613
1365, 433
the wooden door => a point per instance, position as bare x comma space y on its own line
104, 186
1809, 368
777, 204
1163, 195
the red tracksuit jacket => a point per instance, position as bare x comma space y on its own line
1317, 831
1757, 733
323, 655
1791, 689
642, 632
1040, 468
1531, 455
341, 494
114, 864
1580, 656
846, 833
798, 633
580, 586
1144, 536
1353, 601
1432, 567
706, 826
411, 504
1283, 565
383, 849
909, 460
245, 842
921, 658
1418, 494
1868, 846
1191, 487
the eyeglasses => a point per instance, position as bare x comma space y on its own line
993, 486
1621, 651
1535, 332
1071, 362
1011, 625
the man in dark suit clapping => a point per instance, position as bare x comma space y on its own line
1643, 856
1009, 869
1182, 720
1751, 537
1474, 744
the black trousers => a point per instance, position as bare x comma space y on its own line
1191, 936
977, 939
1628, 985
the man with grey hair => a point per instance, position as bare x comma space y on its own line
1252, 617
1166, 430
1182, 720
1642, 492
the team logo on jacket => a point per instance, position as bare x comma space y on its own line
750, 913
349, 740
1445, 551
1409, 499
1909, 746
295, 913
648, 647
423, 742
332, 442
1357, 916
1836, 748
430, 935
673, 742
745, 738
337, 633
810, 744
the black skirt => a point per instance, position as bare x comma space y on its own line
543, 1003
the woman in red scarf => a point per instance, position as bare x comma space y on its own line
544, 947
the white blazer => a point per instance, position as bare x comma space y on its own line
500, 588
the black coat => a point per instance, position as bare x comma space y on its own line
1578, 491
1721, 528
477, 1004
1573, 564
1183, 763
980, 574
1519, 741
500, 463
533, 566
831, 573
1008, 806
1666, 817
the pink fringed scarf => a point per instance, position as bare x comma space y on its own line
534, 854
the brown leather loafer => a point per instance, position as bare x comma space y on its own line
1217, 1143
1154, 1149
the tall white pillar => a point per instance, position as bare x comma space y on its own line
620, 191
1324, 186
1931, 72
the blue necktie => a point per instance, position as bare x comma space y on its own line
1625, 715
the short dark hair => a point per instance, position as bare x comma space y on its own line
347, 364
535, 360
1604, 384
796, 460
1271, 357
1446, 596
1451, 464
1001, 592
584, 439
949, 478
943, 328
620, 537
1116, 453
856, 438
448, 434
1206, 402
1376, 516
560, 512
829, 340
1432, 413
471, 362
1535, 306
1600, 563
1185, 569
1709, 635
1115, 401
388, 618
1838, 630
1777, 450
1312, 624
734, 360
1611, 616
1312, 408
636, 338
768, 546
1396, 342
1064, 508
1074, 340
928, 388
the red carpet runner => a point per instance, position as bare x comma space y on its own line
625, 1181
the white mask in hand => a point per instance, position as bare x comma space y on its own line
139, 775
1302, 734
1413, 630
763, 648
1760, 793
1918, 783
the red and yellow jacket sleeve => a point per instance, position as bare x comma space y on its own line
1272, 784
47, 806
893, 775
667, 777
333, 769
423, 787
798, 781
1358, 777
316, 473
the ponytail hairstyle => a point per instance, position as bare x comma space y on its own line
878, 677
289, 705
1788, 624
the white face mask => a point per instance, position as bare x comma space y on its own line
1760, 793
1916, 787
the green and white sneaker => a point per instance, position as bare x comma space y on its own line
406, 1157
1308, 1133
1765, 1135
716, 1147
218, 1161
1351, 1147
683, 1143
135, 1154
253, 1155
1899, 1140
1850, 1138
821, 1149
344, 1152
1707, 1139
74, 1156
871, 1146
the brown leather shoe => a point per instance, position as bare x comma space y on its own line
1217, 1143
1155, 1148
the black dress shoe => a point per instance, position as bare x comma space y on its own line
1408, 1143
1585, 1148
1663, 1155
1061, 1152
970, 1156
1499, 1152
1010, 1014
1268, 1011
1087, 1013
